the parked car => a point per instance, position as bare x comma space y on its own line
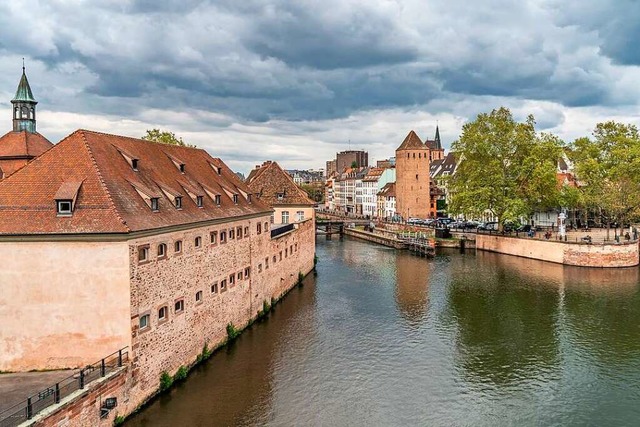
510, 226
524, 228
488, 226
414, 221
471, 225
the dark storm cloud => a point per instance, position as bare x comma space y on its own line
304, 60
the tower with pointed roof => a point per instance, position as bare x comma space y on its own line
24, 106
412, 178
21, 145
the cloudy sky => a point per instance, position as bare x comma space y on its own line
296, 80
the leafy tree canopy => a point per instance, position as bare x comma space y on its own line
164, 137
608, 167
505, 168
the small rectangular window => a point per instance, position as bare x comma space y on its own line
199, 296
246, 272
182, 167
239, 276
213, 237
235, 199
179, 202
232, 234
223, 285
154, 204
177, 246
300, 216
179, 306
239, 232
232, 279
144, 321
162, 250
260, 268
285, 217
214, 288
143, 253
259, 228
286, 252
249, 198
280, 256
266, 263
217, 200
199, 201
198, 242
246, 232
134, 164
162, 313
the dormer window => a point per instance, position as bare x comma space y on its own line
178, 202
181, 167
199, 201
218, 199
280, 196
64, 207
154, 204
249, 198
134, 164
235, 199
219, 170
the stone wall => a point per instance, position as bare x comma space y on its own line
412, 183
83, 410
62, 304
168, 344
578, 254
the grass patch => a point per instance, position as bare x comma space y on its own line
232, 332
165, 381
181, 374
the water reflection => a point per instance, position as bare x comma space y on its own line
412, 286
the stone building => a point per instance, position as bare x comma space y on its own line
109, 242
276, 188
346, 159
412, 178
23, 143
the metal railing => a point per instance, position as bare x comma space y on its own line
52, 395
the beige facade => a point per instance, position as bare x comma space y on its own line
63, 304
290, 214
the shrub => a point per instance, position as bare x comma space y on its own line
232, 332
118, 420
266, 307
165, 381
300, 278
181, 373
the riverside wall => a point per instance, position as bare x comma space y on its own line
567, 253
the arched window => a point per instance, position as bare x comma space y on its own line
16, 113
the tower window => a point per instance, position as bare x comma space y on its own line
154, 204
199, 201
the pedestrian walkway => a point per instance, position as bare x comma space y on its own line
16, 387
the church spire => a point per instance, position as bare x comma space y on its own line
437, 139
24, 106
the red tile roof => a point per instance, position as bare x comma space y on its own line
23, 144
107, 200
412, 142
269, 180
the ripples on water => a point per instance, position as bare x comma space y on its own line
381, 337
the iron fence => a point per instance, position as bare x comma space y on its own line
52, 395
275, 232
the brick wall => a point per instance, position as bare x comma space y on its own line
578, 254
412, 183
166, 345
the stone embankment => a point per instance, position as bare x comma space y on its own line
567, 253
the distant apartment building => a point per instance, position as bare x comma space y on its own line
347, 159
331, 168
275, 187
387, 163
386, 201
439, 170
309, 176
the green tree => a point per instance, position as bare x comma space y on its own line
354, 164
165, 137
608, 166
505, 168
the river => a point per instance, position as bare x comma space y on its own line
385, 338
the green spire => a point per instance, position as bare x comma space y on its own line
24, 94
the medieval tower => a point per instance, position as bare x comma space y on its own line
412, 178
